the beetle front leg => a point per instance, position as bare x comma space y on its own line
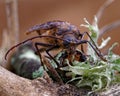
91, 40
96, 51
82, 49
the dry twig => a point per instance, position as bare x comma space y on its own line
11, 34
12, 20
99, 14
102, 9
109, 27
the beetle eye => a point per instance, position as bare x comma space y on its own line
66, 43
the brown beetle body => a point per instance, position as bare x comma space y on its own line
59, 34
68, 32
70, 35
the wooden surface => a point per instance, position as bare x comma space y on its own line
13, 85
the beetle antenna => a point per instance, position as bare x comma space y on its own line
40, 36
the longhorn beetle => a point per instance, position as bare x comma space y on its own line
59, 34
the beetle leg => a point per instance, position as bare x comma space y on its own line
51, 47
53, 71
96, 48
82, 48
96, 51
38, 31
91, 40
38, 50
49, 66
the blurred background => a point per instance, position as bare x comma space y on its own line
32, 12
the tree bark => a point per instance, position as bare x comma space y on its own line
13, 85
